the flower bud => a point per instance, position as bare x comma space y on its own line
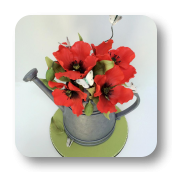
50, 74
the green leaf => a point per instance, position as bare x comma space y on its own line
81, 88
107, 64
88, 109
59, 125
98, 69
107, 115
58, 68
80, 38
49, 62
64, 79
91, 91
95, 99
102, 66
45, 82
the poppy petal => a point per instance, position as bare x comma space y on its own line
77, 106
80, 50
64, 57
128, 73
94, 49
81, 94
120, 94
55, 84
61, 99
103, 57
103, 48
104, 105
89, 63
62, 46
100, 81
126, 56
70, 74
114, 76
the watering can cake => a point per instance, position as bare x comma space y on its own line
94, 80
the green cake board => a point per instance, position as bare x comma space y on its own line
109, 148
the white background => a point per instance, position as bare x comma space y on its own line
38, 36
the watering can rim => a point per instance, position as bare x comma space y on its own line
84, 114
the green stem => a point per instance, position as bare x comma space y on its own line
112, 33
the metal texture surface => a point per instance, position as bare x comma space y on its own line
87, 128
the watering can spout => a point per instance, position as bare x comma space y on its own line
32, 76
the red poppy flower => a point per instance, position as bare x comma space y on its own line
75, 60
109, 92
122, 57
101, 51
71, 96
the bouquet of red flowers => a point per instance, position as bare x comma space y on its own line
92, 74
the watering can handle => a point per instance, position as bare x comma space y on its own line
129, 109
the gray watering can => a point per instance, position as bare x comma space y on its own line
84, 130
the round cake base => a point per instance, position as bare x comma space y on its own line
109, 148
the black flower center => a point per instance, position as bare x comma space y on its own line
71, 94
68, 93
77, 66
106, 90
115, 58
